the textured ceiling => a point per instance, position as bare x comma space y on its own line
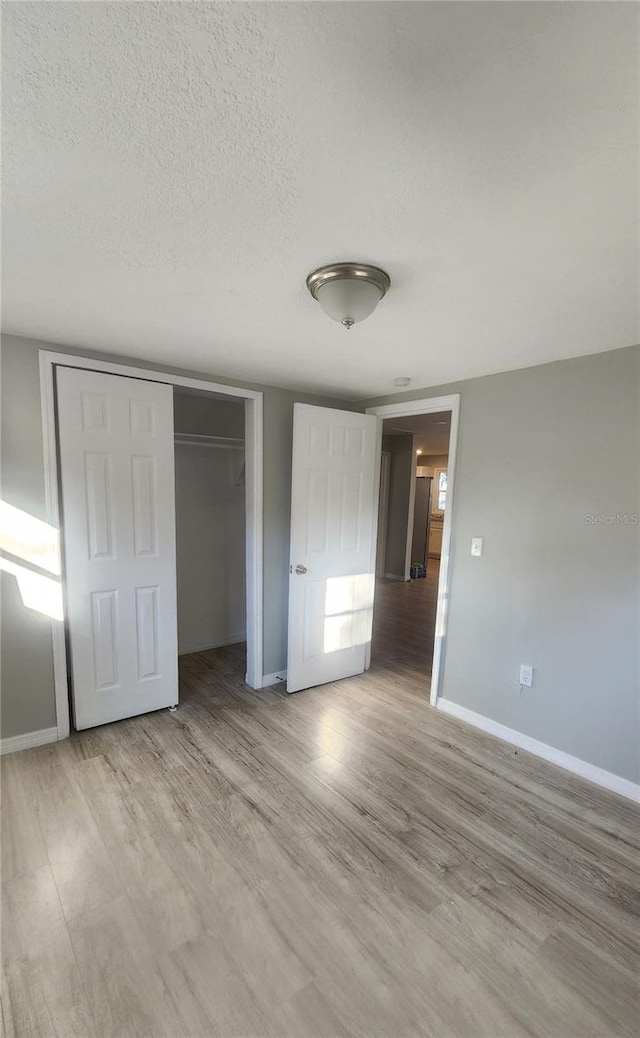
172, 172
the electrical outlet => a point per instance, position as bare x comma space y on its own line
526, 675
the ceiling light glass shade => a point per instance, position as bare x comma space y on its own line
348, 300
348, 292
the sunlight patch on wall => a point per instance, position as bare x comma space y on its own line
37, 543
43, 594
29, 538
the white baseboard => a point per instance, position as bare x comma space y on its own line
607, 779
227, 639
25, 742
273, 679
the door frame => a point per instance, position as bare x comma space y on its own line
48, 361
411, 510
432, 405
383, 514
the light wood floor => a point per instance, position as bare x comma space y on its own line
344, 861
404, 623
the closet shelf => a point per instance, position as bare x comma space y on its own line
221, 442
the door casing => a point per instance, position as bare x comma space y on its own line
383, 514
48, 361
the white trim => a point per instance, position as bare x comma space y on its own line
375, 509
73, 360
15, 743
253, 410
220, 643
433, 405
274, 679
47, 404
383, 513
599, 776
427, 405
48, 360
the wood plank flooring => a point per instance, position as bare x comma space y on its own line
404, 622
344, 861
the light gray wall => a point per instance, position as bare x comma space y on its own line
400, 449
27, 663
26, 678
539, 451
210, 525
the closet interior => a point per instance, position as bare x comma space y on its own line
210, 520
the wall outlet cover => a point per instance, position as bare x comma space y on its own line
526, 675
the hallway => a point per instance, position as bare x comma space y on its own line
404, 618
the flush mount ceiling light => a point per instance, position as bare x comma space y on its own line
348, 292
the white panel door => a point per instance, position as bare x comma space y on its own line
334, 502
117, 481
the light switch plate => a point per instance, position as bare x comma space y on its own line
476, 546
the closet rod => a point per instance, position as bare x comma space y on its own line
197, 440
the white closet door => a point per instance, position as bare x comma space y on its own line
117, 479
334, 504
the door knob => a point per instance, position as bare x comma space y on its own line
301, 569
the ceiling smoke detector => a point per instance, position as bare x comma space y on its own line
348, 292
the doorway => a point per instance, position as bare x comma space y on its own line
414, 531
210, 467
